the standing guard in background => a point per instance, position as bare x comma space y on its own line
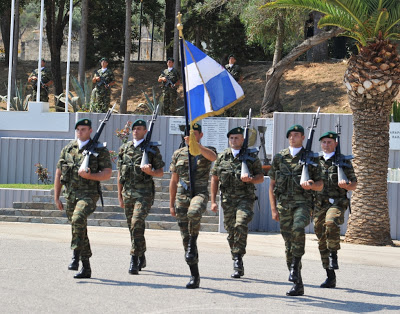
136, 189
238, 194
82, 189
170, 79
234, 69
45, 82
101, 94
292, 201
331, 203
188, 206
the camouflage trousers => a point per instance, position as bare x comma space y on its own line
100, 101
136, 211
238, 213
188, 214
44, 95
294, 217
78, 210
327, 220
169, 100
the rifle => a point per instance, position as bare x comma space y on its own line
94, 143
244, 153
146, 146
266, 165
339, 160
168, 82
308, 155
182, 128
101, 83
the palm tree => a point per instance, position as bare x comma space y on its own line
372, 81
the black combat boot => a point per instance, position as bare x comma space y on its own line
237, 266
330, 282
294, 269
133, 266
85, 271
297, 288
75, 261
333, 263
142, 262
191, 253
194, 281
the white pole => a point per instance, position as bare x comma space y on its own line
39, 78
68, 55
10, 55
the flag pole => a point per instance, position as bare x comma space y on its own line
179, 26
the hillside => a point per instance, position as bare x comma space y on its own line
303, 88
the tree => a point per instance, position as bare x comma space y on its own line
83, 41
127, 59
170, 6
372, 80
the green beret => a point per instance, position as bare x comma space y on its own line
231, 56
170, 59
295, 128
237, 130
104, 59
330, 134
83, 121
139, 122
196, 127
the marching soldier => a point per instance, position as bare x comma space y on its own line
188, 206
45, 83
330, 206
170, 80
136, 190
81, 191
291, 203
238, 195
101, 94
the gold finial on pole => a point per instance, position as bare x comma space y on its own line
179, 26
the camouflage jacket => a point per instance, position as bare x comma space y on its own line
173, 75
45, 78
69, 163
180, 165
286, 171
330, 177
235, 71
133, 179
228, 170
106, 78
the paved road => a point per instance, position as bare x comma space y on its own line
34, 276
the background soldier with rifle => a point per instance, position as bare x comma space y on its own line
103, 79
82, 165
236, 171
291, 200
45, 82
170, 80
189, 205
331, 203
139, 161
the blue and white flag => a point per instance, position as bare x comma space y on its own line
210, 88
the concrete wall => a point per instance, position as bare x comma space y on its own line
8, 196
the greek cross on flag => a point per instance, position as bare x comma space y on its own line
210, 89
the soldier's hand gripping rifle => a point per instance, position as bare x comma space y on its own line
94, 143
146, 146
168, 81
245, 152
266, 165
340, 160
307, 157
102, 82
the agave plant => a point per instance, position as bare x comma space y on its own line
372, 81
81, 102
152, 104
21, 99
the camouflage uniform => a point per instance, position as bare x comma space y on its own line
100, 94
170, 93
81, 194
294, 204
235, 71
329, 206
189, 210
138, 191
237, 197
44, 90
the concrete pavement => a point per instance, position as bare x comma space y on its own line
34, 276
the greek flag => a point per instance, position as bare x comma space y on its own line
210, 89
